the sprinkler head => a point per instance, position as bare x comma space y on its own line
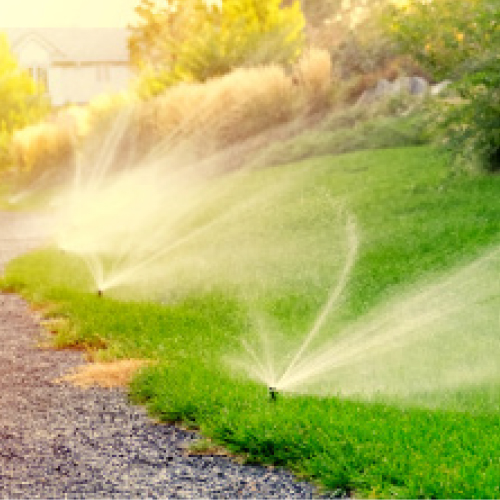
273, 393
99, 293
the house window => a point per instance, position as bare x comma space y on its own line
39, 74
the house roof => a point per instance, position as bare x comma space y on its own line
75, 44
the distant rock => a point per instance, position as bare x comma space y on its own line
401, 84
412, 85
418, 85
440, 87
383, 88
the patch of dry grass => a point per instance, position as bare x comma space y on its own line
110, 374
61, 334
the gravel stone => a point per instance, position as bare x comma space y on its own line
60, 441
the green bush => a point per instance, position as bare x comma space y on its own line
443, 36
473, 126
362, 52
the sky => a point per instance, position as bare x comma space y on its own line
66, 13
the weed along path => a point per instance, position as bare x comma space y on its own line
58, 440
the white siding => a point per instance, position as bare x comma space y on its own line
80, 83
56, 86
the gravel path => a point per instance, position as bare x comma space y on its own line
59, 441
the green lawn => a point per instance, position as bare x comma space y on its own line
267, 269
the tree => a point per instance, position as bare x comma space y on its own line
156, 30
444, 35
194, 40
21, 99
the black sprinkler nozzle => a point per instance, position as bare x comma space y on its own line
99, 293
273, 393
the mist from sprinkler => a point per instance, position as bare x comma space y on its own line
440, 335
261, 364
122, 219
128, 222
123, 222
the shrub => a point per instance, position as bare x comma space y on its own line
220, 111
49, 144
22, 101
258, 98
314, 74
75, 119
366, 53
38, 148
104, 108
362, 51
443, 36
171, 115
472, 127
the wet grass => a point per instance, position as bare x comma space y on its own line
416, 220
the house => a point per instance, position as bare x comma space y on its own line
74, 64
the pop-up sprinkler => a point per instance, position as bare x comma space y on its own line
273, 393
99, 293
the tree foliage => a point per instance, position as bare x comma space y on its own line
194, 40
445, 35
21, 99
